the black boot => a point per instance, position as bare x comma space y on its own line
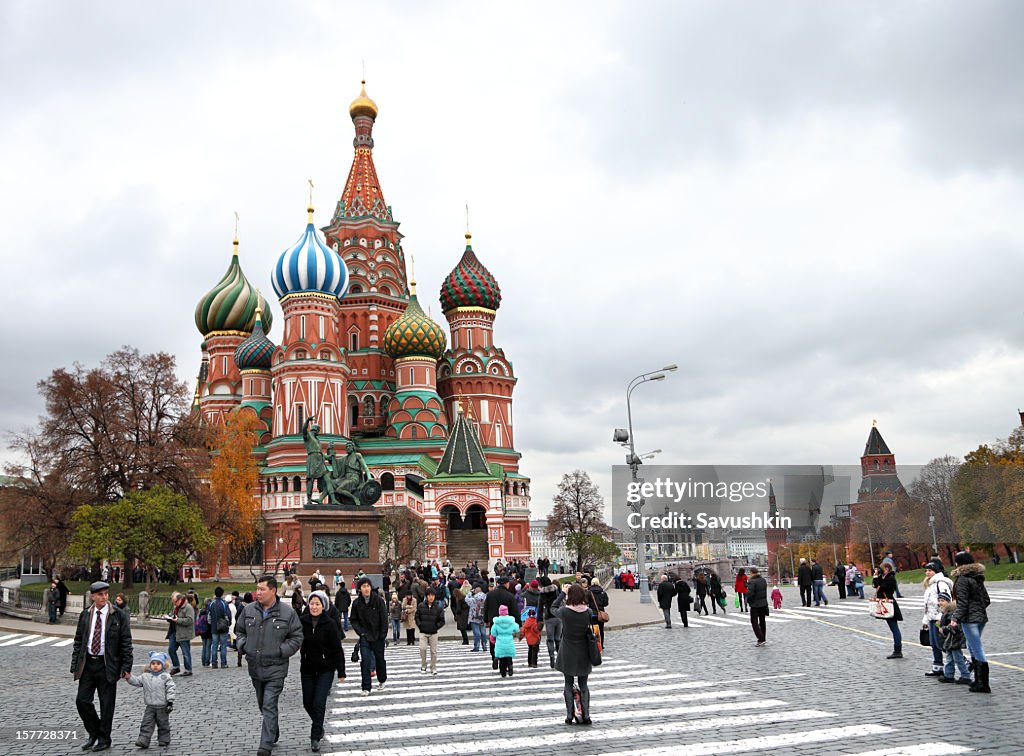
87, 745
980, 678
570, 708
897, 651
585, 705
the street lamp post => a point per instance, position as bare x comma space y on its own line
871, 547
931, 522
634, 463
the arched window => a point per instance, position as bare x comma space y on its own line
355, 289
413, 432
384, 403
284, 485
296, 484
368, 407
387, 482
353, 410
354, 341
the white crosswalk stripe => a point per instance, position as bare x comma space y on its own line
410, 717
37, 642
66, 642
18, 639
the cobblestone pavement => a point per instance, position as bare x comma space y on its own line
822, 685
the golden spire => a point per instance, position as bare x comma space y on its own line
309, 207
469, 236
234, 244
412, 280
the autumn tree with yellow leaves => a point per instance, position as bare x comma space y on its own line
233, 506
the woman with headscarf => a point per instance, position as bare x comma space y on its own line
321, 657
574, 652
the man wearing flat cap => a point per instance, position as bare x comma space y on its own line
101, 654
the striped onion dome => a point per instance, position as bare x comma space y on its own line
231, 304
255, 352
310, 265
414, 334
470, 284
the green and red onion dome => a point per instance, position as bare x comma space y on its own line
256, 352
231, 304
470, 284
414, 334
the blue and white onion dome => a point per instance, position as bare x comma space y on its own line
310, 265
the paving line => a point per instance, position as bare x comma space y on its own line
431, 716
44, 639
66, 642
920, 749
574, 735
15, 641
762, 742
10, 637
540, 723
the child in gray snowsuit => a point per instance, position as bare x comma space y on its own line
158, 694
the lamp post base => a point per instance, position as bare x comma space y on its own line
645, 590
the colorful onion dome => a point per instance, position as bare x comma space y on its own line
310, 265
256, 351
363, 105
231, 304
470, 284
414, 334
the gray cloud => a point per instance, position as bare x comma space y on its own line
812, 209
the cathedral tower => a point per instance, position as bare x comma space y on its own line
364, 232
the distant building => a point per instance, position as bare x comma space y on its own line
746, 543
543, 546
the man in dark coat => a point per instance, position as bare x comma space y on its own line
62, 589
757, 601
839, 576
268, 633
342, 601
102, 654
500, 595
805, 580
370, 620
818, 578
666, 592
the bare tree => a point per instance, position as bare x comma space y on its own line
578, 514
403, 536
934, 487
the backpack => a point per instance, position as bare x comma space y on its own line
201, 624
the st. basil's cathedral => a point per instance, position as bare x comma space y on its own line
432, 419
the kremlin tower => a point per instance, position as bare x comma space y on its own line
360, 355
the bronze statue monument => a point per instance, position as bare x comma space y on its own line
346, 481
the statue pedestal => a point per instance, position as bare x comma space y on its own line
342, 538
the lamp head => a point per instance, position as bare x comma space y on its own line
670, 368
658, 377
620, 436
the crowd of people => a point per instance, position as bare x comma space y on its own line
272, 623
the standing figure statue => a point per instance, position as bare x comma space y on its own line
316, 468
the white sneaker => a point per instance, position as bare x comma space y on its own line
380, 686
434, 673
423, 670
366, 692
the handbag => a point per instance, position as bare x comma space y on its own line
593, 649
925, 637
602, 616
881, 608
736, 600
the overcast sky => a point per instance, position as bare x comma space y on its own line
813, 208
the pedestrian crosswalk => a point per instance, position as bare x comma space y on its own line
637, 709
29, 640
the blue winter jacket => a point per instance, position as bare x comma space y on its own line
503, 628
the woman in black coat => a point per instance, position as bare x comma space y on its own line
970, 614
683, 599
574, 651
885, 588
461, 611
321, 658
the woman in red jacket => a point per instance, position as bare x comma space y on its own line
741, 589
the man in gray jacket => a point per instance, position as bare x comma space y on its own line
268, 633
